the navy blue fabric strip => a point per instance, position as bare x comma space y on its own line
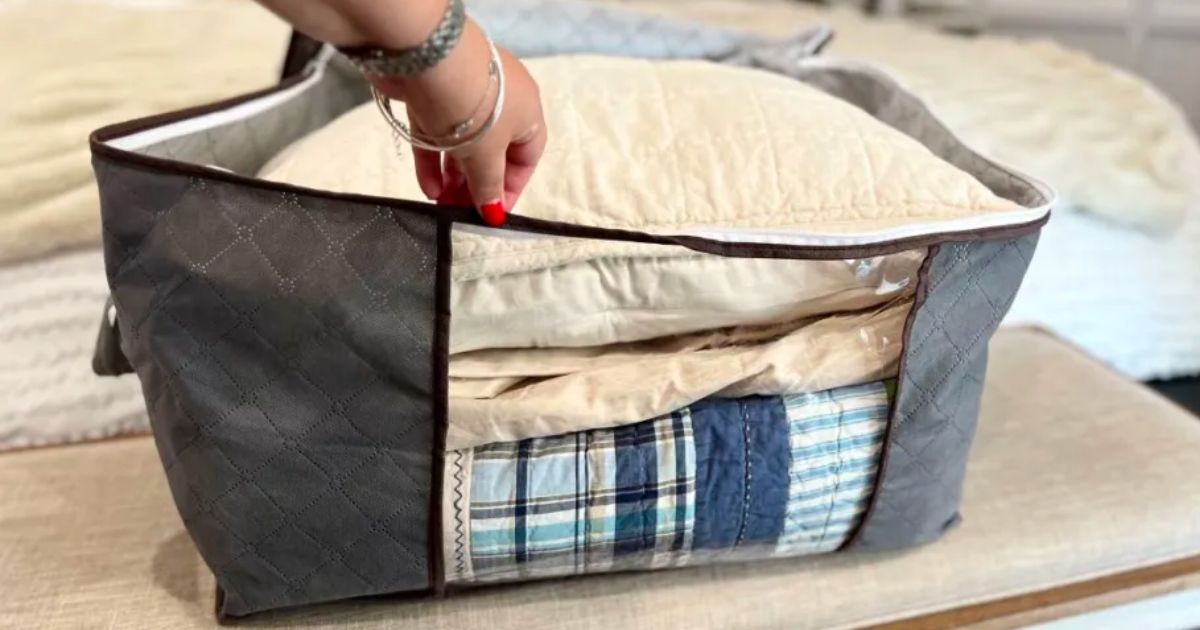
770, 459
637, 489
742, 461
681, 472
720, 462
520, 526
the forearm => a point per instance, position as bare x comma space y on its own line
397, 24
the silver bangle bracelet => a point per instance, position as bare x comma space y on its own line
461, 136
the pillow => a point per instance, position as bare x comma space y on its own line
658, 145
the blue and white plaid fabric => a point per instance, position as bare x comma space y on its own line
836, 438
585, 502
721, 479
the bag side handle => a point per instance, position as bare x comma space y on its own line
108, 359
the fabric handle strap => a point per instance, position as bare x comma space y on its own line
108, 359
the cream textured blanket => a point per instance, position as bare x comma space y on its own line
580, 389
1107, 141
70, 67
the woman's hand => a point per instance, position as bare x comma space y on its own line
491, 173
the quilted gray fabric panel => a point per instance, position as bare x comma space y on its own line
244, 146
284, 344
970, 288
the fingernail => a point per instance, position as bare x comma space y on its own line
493, 213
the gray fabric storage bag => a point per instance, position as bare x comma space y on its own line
291, 343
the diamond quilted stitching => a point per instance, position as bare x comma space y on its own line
249, 504
292, 552
212, 539
293, 415
198, 232
276, 234
970, 286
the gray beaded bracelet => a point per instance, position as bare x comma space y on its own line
400, 63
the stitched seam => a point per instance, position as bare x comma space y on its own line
459, 534
747, 473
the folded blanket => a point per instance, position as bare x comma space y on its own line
49, 311
614, 300
71, 67
507, 395
721, 479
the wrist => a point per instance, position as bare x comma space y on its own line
453, 85
386, 25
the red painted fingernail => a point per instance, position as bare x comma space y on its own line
493, 213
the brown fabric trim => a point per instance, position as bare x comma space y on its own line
922, 291
441, 388
300, 51
468, 216
765, 250
219, 605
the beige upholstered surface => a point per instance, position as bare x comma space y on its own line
1076, 474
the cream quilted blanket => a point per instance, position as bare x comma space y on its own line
1107, 141
70, 67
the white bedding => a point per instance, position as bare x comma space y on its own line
1130, 299
49, 313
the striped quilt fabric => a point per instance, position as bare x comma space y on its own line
722, 479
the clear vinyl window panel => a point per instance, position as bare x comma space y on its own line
617, 405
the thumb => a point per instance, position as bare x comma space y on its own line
484, 171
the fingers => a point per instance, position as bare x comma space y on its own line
428, 166
523, 158
484, 171
429, 172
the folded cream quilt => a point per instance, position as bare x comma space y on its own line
498, 396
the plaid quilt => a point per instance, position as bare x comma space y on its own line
720, 479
